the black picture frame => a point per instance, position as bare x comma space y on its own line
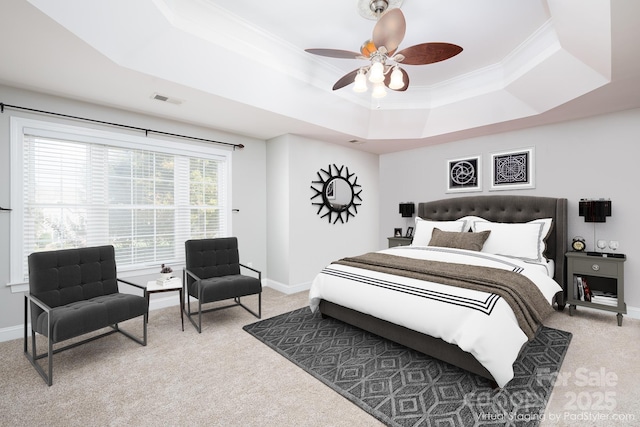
397, 232
409, 232
512, 170
464, 174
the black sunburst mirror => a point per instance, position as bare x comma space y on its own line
339, 193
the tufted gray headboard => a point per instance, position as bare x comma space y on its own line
509, 209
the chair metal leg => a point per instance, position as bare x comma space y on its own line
259, 313
142, 341
190, 314
237, 301
26, 303
200, 315
50, 351
33, 357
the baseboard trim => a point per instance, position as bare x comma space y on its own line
287, 289
633, 312
11, 333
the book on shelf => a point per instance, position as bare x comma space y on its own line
583, 292
587, 290
606, 298
577, 281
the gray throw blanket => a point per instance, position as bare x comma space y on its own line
524, 297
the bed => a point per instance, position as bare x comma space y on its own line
425, 327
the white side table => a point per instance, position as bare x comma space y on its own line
149, 282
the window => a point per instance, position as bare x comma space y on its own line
79, 187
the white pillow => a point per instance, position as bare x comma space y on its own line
469, 220
424, 229
524, 240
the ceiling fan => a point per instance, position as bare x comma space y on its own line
384, 69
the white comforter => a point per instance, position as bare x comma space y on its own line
477, 322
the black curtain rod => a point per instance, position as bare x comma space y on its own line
146, 131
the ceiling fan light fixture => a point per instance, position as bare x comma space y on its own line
378, 6
376, 73
371, 9
360, 82
388, 34
367, 48
378, 91
397, 82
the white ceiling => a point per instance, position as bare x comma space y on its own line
240, 65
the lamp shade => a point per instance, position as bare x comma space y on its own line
397, 81
376, 73
594, 210
360, 82
407, 209
379, 91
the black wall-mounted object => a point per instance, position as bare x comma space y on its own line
594, 210
338, 192
4, 209
407, 209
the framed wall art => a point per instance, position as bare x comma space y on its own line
512, 170
464, 174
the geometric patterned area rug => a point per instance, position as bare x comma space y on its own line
403, 387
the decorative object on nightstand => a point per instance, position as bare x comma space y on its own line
409, 233
578, 244
596, 282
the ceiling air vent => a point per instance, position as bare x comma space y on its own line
164, 98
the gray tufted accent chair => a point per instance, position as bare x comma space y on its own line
212, 273
73, 292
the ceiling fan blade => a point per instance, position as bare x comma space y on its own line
346, 80
389, 30
428, 53
334, 53
405, 77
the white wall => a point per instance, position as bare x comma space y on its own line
300, 242
589, 158
248, 180
278, 210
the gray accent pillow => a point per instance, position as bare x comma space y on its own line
459, 240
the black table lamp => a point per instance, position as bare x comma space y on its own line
407, 209
594, 210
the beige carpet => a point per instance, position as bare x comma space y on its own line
225, 377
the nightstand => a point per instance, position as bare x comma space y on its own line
399, 241
604, 277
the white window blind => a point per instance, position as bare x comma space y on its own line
146, 202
